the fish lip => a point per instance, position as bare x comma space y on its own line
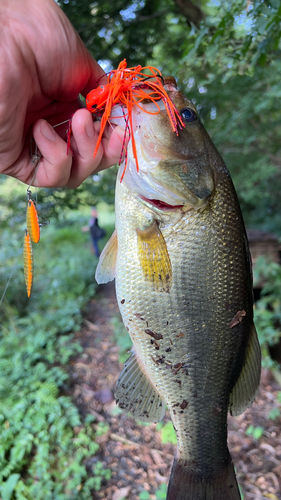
160, 205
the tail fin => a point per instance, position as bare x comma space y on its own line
186, 484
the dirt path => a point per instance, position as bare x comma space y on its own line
134, 453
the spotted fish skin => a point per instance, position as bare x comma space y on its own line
190, 316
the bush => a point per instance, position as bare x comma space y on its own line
44, 446
268, 308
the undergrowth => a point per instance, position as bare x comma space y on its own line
45, 448
160, 494
268, 307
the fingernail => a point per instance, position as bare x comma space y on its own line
89, 127
48, 131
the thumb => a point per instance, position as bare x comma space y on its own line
55, 165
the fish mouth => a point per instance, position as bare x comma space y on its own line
161, 205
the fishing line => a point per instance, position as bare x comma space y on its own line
124, 148
8, 282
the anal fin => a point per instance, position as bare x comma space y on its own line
245, 389
106, 268
135, 393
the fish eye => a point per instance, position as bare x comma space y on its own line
188, 115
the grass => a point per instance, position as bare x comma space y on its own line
167, 432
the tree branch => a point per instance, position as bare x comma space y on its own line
191, 12
151, 16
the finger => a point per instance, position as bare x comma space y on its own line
83, 144
114, 144
55, 166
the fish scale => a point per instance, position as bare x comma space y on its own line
184, 290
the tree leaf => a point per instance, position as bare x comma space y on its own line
8, 487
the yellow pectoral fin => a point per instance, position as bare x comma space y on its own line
154, 257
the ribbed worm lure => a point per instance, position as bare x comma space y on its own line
28, 262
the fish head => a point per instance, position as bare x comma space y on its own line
175, 170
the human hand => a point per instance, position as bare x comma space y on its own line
44, 66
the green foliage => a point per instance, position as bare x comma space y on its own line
167, 432
256, 432
44, 446
160, 494
102, 428
236, 36
56, 202
7, 489
144, 424
114, 31
268, 308
38, 434
122, 338
230, 68
100, 474
274, 414
144, 495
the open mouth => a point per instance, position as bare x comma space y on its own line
161, 204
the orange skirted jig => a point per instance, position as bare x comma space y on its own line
28, 262
129, 87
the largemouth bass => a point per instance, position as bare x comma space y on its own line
183, 280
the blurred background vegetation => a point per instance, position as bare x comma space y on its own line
225, 55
